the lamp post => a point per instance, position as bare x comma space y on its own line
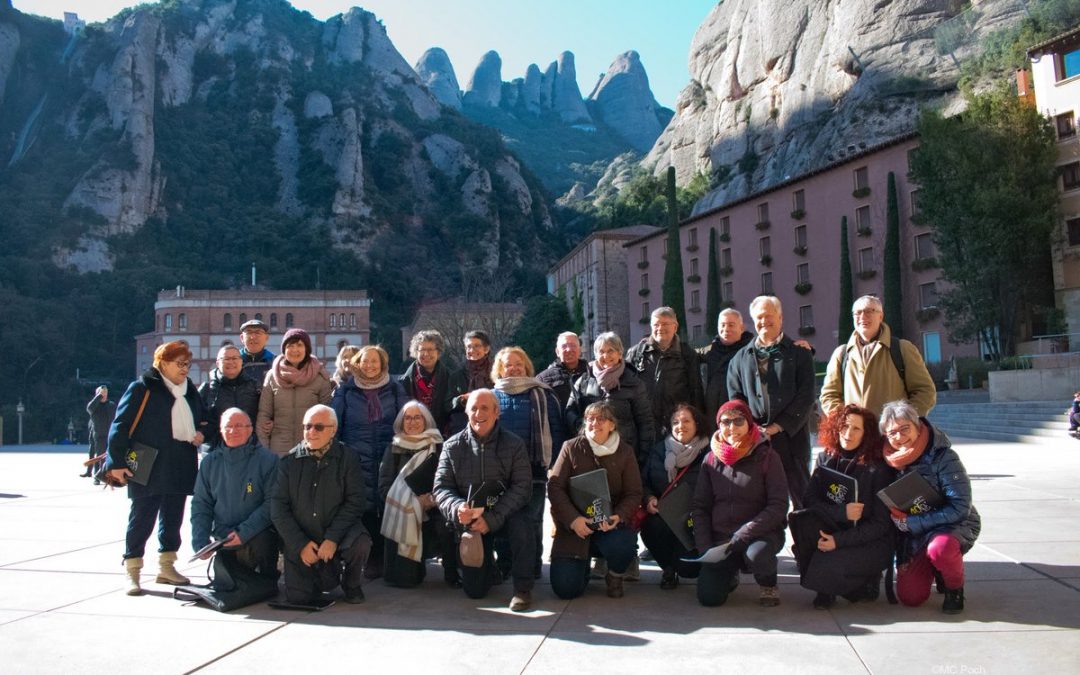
19, 410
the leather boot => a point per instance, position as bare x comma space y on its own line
134, 567
167, 573
614, 583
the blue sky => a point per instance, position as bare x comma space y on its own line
523, 32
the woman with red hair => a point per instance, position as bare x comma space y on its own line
843, 537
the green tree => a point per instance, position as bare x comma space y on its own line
673, 270
545, 317
989, 191
712, 289
847, 324
892, 300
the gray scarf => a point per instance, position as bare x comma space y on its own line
608, 378
677, 455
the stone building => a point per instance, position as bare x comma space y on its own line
209, 319
785, 241
597, 271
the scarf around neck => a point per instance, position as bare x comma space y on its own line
765, 352
539, 427
362, 382
403, 442
677, 455
478, 373
403, 518
288, 377
899, 459
606, 448
730, 454
608, 378
183, 423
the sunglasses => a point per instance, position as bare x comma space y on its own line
732, 421
318, 427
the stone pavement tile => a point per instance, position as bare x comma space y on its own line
693, 652
9, 615
157, 602
118, 645
983, 563
946, 653
1055, 508
102, 558
41, 591
1059, 559
1022, 528
1017, 606
449, 651
1002, 490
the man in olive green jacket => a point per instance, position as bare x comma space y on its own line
870, 374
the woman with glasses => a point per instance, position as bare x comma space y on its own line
414, 529
295, 382
739, 507
160, 410
843, 538
933, 541
427, 379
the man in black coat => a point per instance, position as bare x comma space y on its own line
731, 336
257, 359
669, 368
485, 455
316, 508
230, 386
567, 367
101, 411
776, 379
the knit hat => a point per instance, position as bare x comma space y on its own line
171, 351
294, 334
736, 406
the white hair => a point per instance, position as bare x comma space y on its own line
729, 310
870, 300
664, 311
766, 300
319, 407
898, 411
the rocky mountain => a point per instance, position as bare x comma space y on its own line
437, 74
779, 87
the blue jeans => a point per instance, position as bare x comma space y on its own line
717, 580
570, 576
167, 510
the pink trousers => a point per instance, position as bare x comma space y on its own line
915, 578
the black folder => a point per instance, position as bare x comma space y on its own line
674, 509
140, 461
840, 488
591, 496
422, 480
911, 494
486, 495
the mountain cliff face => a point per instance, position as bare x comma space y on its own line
780, 87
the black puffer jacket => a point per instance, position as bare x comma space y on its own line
633, 412
671, 377
220, 393
716, 366
317, 499
561, 379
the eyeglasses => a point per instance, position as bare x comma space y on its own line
236, 427
412, 418
319, 428
868, 311
732, 421
182, 365
230, 358
595, 419
899, 431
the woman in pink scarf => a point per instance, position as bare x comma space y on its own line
295, 382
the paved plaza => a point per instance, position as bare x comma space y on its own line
63, 608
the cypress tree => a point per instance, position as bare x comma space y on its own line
712, 289
673, 294
893, 309
847, 324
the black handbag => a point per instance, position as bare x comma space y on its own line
232, 585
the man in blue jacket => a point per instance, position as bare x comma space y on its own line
232, 497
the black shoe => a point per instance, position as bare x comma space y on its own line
453, 580
354, 596
954, 601
939, 582
85, 475
669, 580
824, 601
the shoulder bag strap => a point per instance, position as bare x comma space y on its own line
138, 415
675, 482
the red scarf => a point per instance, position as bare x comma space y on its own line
425, 387
898, 459
730, 454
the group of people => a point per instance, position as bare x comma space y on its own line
358, 475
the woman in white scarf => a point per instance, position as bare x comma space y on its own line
414, 528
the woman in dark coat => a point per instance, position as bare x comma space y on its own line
414, 529
575, 540
933, 540
608, 379
674, 461
739, 505
842, 545
427, 379
367, 405
162, 410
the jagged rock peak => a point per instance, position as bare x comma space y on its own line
626, 103
485, 85
437, 73
565, 95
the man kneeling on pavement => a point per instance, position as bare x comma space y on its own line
316, 508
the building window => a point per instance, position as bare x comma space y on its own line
798, 200
725, 227
644, 281
644, 254
924, 246
931, 347
352, 320
157, 323
168, 323
928, 295
273, 320
1070, 175
693, 236
866, 259
765, 247
258, 316
341, 319
763, 213
728, 293
862, 219
695, 300
243, 318
725, 257
800, 237
695, 332
862, 178
226, 321
915, 203
806, 316
1073, 226
644, 310
333, 320
802, 273
289, 320
693, 266
181, 320
1067, 65
766, 283
1066, 125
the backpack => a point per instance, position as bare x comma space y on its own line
894, 352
